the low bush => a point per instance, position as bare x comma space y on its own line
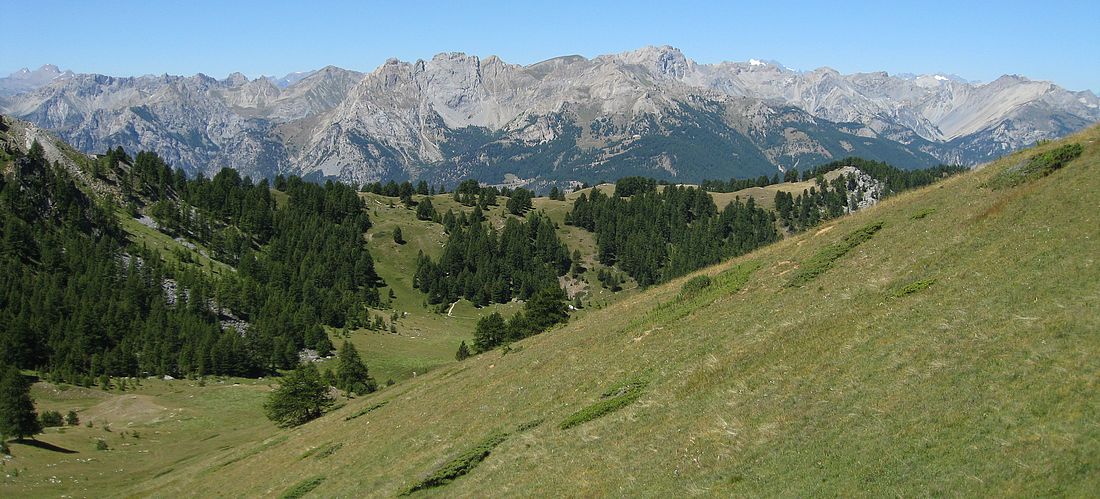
51, 418
914, 287
823, 260
366, 410
323, 451
467, 461
694, 286
460, 465
302, 488
615, 398
1037, 166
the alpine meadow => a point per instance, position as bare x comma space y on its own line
634, 274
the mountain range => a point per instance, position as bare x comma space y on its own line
650, 112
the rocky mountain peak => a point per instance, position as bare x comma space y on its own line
236, 79
650, 111
664, 60
26, 80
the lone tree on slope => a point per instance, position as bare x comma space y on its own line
351, 373
300, 398
18, 418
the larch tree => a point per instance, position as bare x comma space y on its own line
301, 397
351, 373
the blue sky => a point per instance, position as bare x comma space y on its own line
1050, 40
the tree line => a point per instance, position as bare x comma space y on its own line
655, 235
485, 265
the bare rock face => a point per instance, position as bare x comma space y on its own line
650, 112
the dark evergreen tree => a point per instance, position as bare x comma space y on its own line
519, 201
546, 308
397, 237
629, 186
463, 352
51, 419
18, 418
425, 210
490, 332
351, 373
301, 397
298, 265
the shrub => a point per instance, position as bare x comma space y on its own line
467, 461
823, 260
460, 465
367, 410
1037, 166
922, 213
694, 285
323, 451
101, 444
615, 398
914, 287
51, 418
302, 488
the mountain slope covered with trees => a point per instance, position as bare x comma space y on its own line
81, 300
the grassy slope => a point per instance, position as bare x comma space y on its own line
177, 423
985, 382
764, 197
426, 339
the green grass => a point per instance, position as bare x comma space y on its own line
922, 213
823, 260
694, 285
468, 460
168, 247
914, 287
425, 339
459, 465
616, 398
983, 383
175, 420
1039, 165
323, 451
302, 488
367, 410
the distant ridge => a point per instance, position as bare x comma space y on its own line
650, 111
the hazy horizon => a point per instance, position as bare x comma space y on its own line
975, 42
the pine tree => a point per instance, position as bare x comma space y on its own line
397, 238
425, 210
463, 352
489, 332
301, 397
546, 308
18, 418
351, 373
